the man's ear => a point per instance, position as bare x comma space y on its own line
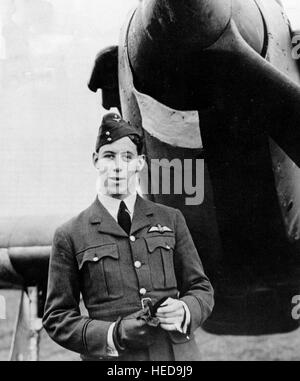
95, 159
141, 163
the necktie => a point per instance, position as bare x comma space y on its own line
124, 218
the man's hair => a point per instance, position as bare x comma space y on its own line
138, 141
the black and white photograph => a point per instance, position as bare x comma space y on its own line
149, 182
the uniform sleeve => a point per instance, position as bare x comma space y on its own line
62, 318
194, 286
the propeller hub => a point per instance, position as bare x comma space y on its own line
189, 22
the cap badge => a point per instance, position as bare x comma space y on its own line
116, 118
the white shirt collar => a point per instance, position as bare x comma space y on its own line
113, 204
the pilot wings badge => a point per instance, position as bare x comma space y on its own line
160, 229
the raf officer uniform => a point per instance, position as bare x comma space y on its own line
117, 271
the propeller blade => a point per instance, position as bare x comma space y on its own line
248, 78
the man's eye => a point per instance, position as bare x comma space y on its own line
128, 157
108, 156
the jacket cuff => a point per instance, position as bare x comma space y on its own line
95, 338
195, 312
111, 349
187, 319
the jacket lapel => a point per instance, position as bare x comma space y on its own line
142, 211
106, 223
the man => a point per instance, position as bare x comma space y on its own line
133, 261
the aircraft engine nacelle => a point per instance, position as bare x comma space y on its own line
25, 245
215, 80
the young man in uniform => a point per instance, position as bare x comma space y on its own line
133, 261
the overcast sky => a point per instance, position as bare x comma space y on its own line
49, 119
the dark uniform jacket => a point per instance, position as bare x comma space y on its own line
94, 256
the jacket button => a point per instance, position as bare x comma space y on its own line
137, 264
132, 238
95, 259
143, 291
168, 247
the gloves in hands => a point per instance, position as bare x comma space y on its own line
137, 330
133, 332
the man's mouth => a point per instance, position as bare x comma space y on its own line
117, 178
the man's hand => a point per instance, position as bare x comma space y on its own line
171, 315
132, 332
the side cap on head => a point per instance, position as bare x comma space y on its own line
113, 128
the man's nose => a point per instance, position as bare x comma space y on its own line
118, 164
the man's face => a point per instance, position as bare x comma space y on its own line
118, 165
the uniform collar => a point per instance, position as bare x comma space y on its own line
112, 205
107, 224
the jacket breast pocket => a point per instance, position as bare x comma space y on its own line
161, 261
101, 273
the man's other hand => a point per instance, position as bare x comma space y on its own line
171, 315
